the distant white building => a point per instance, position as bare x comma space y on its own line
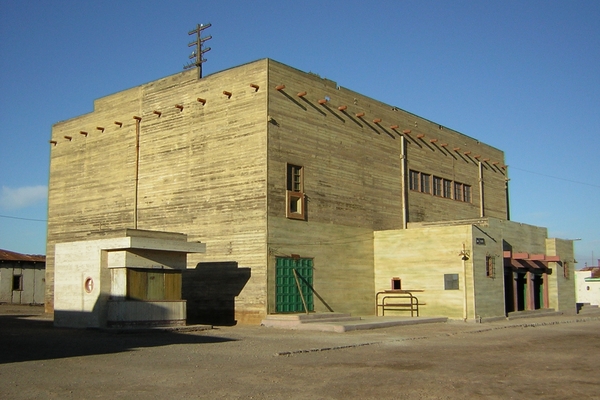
587, 285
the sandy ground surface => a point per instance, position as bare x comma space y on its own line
547, 357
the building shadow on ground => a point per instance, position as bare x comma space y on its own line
26, 339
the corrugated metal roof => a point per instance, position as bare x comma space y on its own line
595, 271
6, 255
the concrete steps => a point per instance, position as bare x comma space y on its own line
339, 322
290, 320
545, 312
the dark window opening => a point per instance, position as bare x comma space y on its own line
490, 266
17, 283
450, 281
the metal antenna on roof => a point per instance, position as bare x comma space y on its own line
196, 55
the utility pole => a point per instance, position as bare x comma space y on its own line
196, 55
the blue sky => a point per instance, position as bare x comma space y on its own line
522, 76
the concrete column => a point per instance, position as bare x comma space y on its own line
530, 301
546, 293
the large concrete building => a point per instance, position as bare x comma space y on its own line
282, 172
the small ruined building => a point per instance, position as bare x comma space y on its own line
22, 278
307, 195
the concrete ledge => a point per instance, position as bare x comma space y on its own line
533, 313
327, 322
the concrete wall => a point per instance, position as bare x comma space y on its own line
33, 279
201, 170
353, 182
488, 289
420, 258
421, 254
77, 262
85, 285
561, 285
342, 259
353, 165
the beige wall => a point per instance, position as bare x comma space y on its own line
561, 287
420, 257
352, 177
342, 260
202, 170
423, 253
353, 164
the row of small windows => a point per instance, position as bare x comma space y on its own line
426, 183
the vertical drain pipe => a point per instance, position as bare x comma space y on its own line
403, 166
137, 170
481, 196
507, 197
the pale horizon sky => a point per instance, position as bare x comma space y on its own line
521, 76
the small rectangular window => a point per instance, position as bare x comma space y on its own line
413, 181
295, 178
17, 283
295, 198
437, 186
450, 281
447, 189
457, 191
467, 193
425, 183
490, 266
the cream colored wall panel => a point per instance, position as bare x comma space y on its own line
342, 257
420, 258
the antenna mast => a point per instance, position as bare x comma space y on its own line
196, 55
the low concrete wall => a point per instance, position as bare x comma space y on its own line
146, 313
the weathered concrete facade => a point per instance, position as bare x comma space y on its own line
490, 258
267, 165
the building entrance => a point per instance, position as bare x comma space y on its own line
524, 289
288, 298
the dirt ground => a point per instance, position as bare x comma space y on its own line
547, 357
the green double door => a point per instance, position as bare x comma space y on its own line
288, 297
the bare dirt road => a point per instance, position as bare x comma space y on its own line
551, 357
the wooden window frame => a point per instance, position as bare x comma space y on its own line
451, 282
440, 187
447, 188
458, 191
437, 186
490, 266
467, 194
295, 199
425, 183
413, 180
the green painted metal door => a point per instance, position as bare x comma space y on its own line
288, 297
